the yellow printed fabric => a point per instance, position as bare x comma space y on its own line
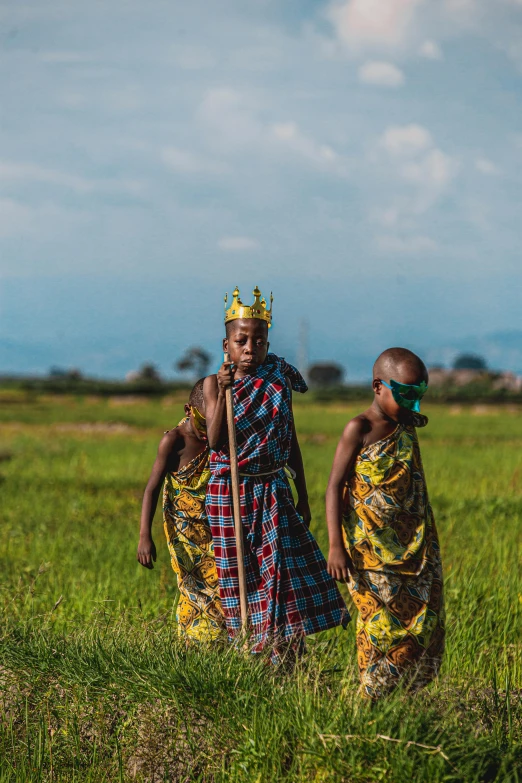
390, 533
199, 612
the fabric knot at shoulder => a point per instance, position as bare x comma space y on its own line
286, 370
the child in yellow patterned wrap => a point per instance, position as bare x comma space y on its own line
182, 466
383, 539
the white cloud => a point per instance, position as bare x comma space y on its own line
406, 140
235, 123
230, 118
358, 23
461, 6
14, 217
29, 172
381, 73
435, 168
237, 244
68, 58
388, 217
47, 221
187, 162
72, 99
419, 164
124, 99
426, 165
406, 245
194, 58
288, 133
486, 166
431, 51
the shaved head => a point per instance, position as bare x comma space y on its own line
196, 396
401, 365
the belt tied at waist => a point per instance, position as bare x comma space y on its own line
272, 472
286, 468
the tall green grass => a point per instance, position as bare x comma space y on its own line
96, 686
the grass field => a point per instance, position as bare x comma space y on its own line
96, 687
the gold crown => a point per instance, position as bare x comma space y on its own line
257, 309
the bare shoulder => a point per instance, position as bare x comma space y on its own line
210, 386
170, 442
357, 428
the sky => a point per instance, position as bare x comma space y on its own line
360, 158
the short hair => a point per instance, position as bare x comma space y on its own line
231, 325
196, 396
392, 359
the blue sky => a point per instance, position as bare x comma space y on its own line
362, 158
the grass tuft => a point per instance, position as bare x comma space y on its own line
95, 684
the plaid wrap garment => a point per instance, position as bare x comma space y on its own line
290, 593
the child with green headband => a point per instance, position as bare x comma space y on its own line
383, 539
182, 467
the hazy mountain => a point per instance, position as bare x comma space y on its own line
502, 350
114, 358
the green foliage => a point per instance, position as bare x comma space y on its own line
469, 361
482, 389
96, 686
195, 360
325, 374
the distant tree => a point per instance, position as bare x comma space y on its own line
470, 361
71, 374
325, 374
148, 372
195, 360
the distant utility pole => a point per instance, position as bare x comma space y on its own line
302, 349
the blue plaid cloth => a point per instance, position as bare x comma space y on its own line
290, 593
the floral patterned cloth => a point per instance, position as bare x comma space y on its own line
199, 612
391, 536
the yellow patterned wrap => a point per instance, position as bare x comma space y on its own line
391, 536
199, 612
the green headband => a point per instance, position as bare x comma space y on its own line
407, 395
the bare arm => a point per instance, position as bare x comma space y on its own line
166, 450
339, 562
214, 388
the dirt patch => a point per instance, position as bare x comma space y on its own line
96, 428
11, 696
315, 438
170, 746
484, 410
174, 399
158, 742
128, 399
455, 410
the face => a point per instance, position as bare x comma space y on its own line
384, 396
247, 344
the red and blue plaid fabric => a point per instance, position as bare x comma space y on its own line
290, 593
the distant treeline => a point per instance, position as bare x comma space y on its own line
67, 385
478, 391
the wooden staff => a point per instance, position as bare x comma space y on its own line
236, 505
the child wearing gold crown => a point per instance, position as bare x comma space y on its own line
182, 466
290, 593
383, 539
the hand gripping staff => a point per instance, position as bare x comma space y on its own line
236, 505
